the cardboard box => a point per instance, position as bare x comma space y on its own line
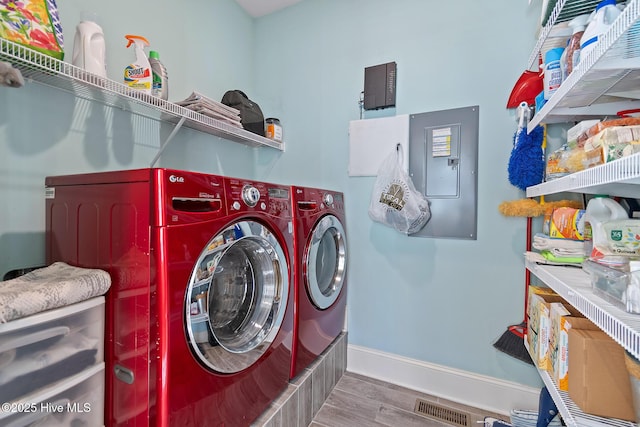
562, 325
598, 379
539, 324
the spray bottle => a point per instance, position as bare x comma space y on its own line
137, 75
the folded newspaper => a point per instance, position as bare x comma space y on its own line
214, 109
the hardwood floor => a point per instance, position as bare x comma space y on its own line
367, 402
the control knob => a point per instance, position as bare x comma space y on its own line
250, 195
328, 199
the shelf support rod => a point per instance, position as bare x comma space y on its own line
169, 138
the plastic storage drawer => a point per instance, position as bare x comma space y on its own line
77, 401
40, 350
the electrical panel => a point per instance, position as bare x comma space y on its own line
443, 165
380, 86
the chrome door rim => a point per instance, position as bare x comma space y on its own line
240, 328
328, 224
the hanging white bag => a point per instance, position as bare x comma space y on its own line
395, 202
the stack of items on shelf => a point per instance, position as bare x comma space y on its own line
561, 242
52, 346
592, 143
570, 42
214, 109
580, 358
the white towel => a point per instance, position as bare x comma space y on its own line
558, 247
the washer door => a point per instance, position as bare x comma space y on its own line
237, 297
326, 262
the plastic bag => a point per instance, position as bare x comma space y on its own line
395, 202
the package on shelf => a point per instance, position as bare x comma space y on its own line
611, 143
44, 349
598, 379
539, 324
577, 134
567, 223
35, 24
601, 125
563, 319
564, 161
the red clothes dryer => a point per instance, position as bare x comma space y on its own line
320, 260
200, 312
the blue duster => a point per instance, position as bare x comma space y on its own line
526, 163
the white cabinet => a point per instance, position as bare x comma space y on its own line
606, 81
64, 76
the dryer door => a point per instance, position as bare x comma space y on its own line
326, 261
237, 297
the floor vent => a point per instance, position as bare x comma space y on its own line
446, 414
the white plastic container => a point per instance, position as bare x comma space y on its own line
572, 53
160, 77
137, 75
600, 209
605, 13
43, 349
552, 72
89, 48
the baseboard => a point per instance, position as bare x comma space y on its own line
483, 392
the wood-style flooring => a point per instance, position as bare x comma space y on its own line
361, 401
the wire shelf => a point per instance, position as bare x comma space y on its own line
574, 286
606, 80
619, 177
571, 413
52, 72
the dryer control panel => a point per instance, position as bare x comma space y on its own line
255, 196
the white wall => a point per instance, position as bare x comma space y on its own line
207, 46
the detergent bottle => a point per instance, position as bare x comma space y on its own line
160, 76
89, 46
137, 75
600, 209
605, 13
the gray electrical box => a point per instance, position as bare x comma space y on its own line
380, 86
443, 164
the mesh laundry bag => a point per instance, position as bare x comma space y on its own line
395, 202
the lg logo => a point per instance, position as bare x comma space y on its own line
174, 178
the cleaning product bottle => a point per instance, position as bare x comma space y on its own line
578, 25
137, 75
563, 61
160, 77
600, 209
552, 72
605, 13
89, 46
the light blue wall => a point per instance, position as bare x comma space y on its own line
440, 301
435, 300
207, 47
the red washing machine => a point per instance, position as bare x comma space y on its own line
320, 260
200, 313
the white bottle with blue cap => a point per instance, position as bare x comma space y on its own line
603, 16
